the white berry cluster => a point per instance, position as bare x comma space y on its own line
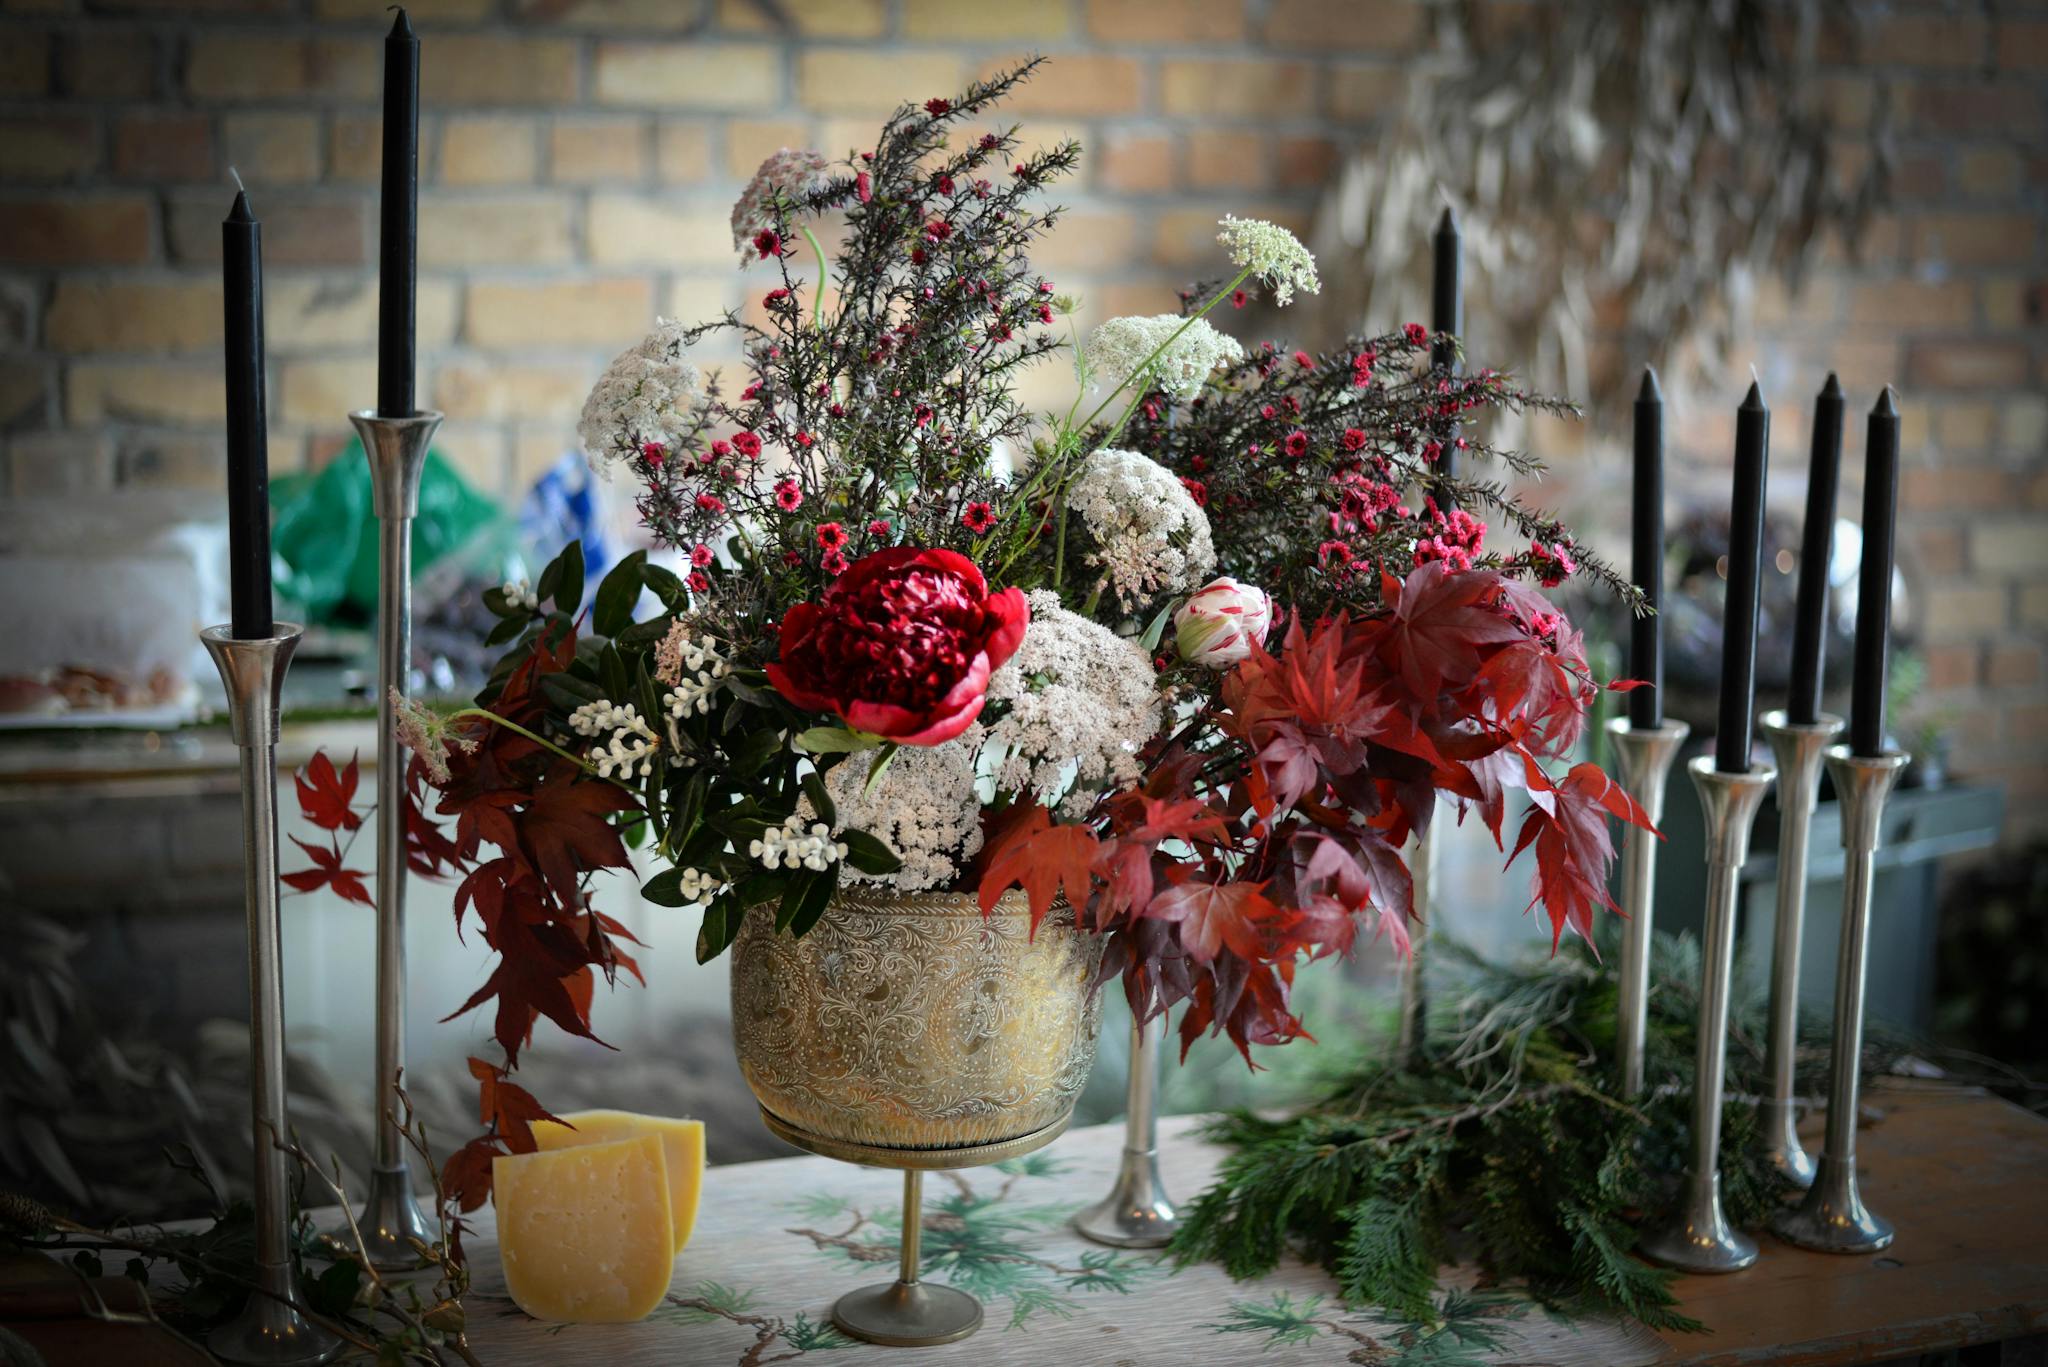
698, 887
519, 594
693, 665
790, 846
632, 744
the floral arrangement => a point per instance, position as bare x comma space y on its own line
1197, 655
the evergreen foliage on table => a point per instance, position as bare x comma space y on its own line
1504, 1145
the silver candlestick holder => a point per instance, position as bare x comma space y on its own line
391, 1223
270, 1328
1797, 746
1833, 1218
1137, 1212
1643, 757
1697, 1237
1411, 1031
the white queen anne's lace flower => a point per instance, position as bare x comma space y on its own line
1152, 537
1273, 253
1118, 347
783, 178
923, 808
645, 395
1079, 701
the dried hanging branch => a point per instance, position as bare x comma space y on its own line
1621, 172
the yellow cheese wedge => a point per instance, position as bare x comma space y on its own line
584, 1233
682, 1141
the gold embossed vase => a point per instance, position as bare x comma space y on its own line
908, 1030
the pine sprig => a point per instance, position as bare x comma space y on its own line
1504, 1145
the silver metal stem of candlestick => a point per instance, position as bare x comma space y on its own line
270, 1328
1643, 759
1137, 1212
391, 1221
1412, 1029
1697, 1237
1797, 746
1833, 1218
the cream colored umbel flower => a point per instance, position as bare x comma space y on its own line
1273, 254
1151, 535
645, 395
1118, 347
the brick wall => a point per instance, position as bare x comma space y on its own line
580, 157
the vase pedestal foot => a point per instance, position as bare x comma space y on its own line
907, 1314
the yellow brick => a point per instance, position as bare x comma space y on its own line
1090, 241
1975, 239
420, 11
1362, 92
1961, 613
355, 148
47, 148
1187, 21
24, 65
155, 316
610, 16
1249, 87
473, 389
599, 313
325, 390
1369, 25
1077, 84
1134, 164
682, 154
951, 20
1988, 171
144, 391
2022, 44
314, 312
75, 231
1923, 40
274, 149
106, 65
496, 230
482, 150
749, 142
875, 82
1912, 303
638, 231
697, 297
477, 450
475, 68
689, 75
807, 18
2023, 425
24, 389
59, 463
581, 151
188, 460
244, 66
2013, 547
1219, 159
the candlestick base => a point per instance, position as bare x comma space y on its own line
1700, 1240
1137, 1212
273, 1334
1833, 1218
1643, 758
391, 1223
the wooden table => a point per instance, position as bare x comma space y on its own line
1963, 1176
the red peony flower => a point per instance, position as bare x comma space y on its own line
901, 645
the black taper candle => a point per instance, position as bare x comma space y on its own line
1444, 322
1874, 588
1816, 542
1646, 527
398, 241
241, 257
1734, 733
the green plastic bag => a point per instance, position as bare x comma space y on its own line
324, 535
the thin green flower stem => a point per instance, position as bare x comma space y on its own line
1145, 367
817, 304
517, 729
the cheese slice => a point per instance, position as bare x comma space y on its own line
681, 1140
584, 1233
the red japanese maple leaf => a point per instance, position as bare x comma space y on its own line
325, 796
1044, 859
564, 833
1567, 825
327, 872
1218, 916
506, 1107
1439, 624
